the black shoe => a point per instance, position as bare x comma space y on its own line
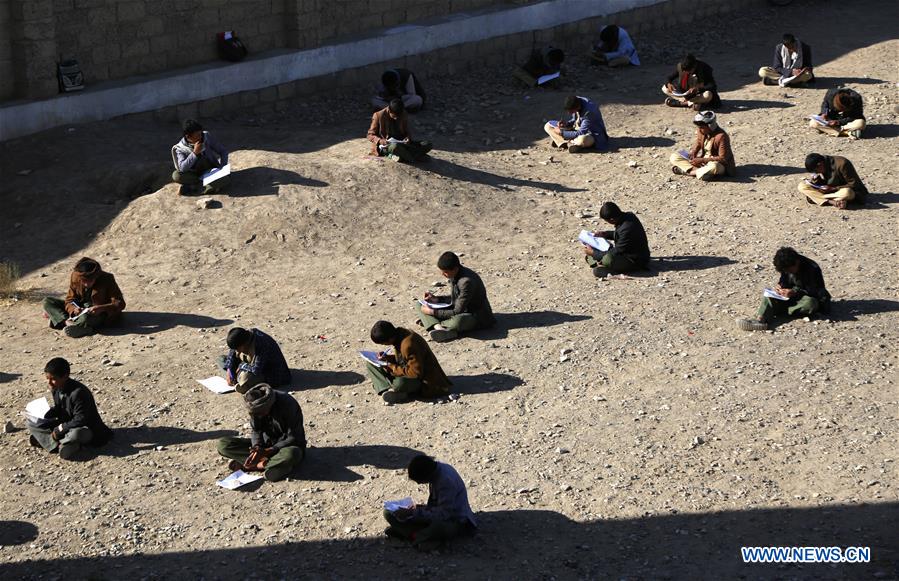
391, 396
58, 326
769, 82
33, 441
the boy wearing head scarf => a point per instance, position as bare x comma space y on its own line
277, 442
710, 155
843, 113
94, 299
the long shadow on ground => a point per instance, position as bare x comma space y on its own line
536, 544
332, 463
462, 173
308, 379
505, 322
149, 322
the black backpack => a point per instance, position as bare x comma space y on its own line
230, 47
69, 76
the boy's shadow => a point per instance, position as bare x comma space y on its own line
148, 323
848, 309
484, 383
307, 379
508, 321
130, 441
332, 463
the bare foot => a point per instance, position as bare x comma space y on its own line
841, 204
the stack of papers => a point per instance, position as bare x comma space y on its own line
216, 174
684, 154
434, 305
772, 294
216, 384
677, 94
237, 479
592, 241
36, 410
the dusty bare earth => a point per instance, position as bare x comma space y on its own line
667, 442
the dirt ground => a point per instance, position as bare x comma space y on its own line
668, 440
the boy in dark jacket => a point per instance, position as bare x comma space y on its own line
843, 114
692, 85
73, 421
277, 442
630, 250
468, 307
254, 358
801, 288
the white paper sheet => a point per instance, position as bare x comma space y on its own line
684, 154
547, 78
216, 384
394, 140
36, 409
434, 305
395, 505
772, 294
592, 241
819, 119
237, 479
216, 174
677, 94
372, 357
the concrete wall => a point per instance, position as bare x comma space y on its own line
116, 39
439, 47
8, 86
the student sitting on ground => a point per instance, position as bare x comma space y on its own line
801, 284
277, 443
692, 79
792, 64
399, 84
447, 514
389, 135
197, 153
468, 307
411, 368
93, 300
834, 181
583, 130
73, 421
543, 61
630, 250
843, 113
615, 48
710, 156
254, 358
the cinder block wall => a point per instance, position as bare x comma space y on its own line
508, 50
8, 86
115, 39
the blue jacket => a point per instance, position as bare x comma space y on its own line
268, 361
448, 499
588, 120
625, 48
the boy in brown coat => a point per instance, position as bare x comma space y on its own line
94, 299
389, 135
411, 368
710, 155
